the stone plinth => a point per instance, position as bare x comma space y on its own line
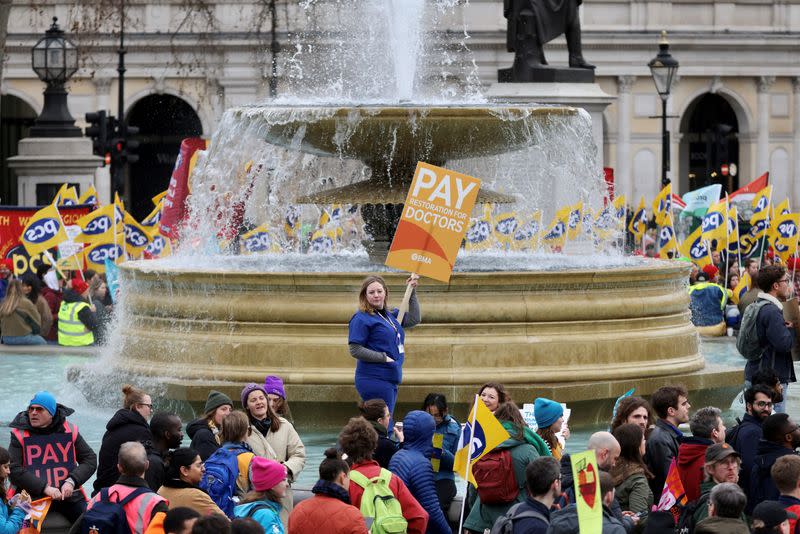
588, 96
53, 160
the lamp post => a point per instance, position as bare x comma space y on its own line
54, 59
663, 68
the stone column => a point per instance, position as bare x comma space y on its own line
622, 174
794, 185
101, 91
763, 85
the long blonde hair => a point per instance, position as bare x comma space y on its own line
13, 297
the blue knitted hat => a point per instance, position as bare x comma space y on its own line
46, 400
546, 412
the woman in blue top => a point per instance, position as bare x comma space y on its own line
10, 518
262, 503
377, 340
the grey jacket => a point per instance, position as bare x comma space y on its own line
566, 522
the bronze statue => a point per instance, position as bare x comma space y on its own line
531, 24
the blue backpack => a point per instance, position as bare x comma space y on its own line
219, 480
108, 517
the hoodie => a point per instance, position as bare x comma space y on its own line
22, 478
266, 514
762, 488
204, 441
412, 464
86, 315
126, 425
691, 464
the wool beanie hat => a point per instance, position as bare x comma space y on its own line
46, 400
215, 400
248, 389
274, 386
546, 412
79, 286
266, 474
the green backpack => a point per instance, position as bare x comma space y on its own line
381, 509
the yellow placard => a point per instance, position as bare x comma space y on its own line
588, 496
434, 221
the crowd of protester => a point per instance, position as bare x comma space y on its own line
72, 308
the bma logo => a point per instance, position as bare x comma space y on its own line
134, 237
101, 253
478, 439
98, 226
257, 243
478, 232
506, 226
156, 247
712, 221
42, 230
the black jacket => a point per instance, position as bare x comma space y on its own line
386, 446
126, 425
203, 439
22, 478
777, 340
566, 521
154, 476
86, 315
744, 438
762, 488
662, 447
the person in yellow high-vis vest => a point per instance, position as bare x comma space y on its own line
76, 319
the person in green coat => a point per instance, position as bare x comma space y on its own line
630, 472
525, 446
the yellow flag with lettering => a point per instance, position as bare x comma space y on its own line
662, 205
638, 223
588, 497
472, 446
67, 196
694, 248
44, 230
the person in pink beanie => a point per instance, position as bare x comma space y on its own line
262, 503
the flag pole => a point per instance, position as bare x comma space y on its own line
727, 244
766, 229
469, 462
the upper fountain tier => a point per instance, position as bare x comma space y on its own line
391, 139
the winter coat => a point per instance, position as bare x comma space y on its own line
24, 479
707, 303
777, 341
523, 452
415, 514
451, 432
568, 494
744, 439
532, 525
721, 525
566, 521
154, 476
10, 519
44, 314
762, 488
691, 464
792, 505
282, 446
126, 425
386, 446
632, 490
53, 299
180, 493
204, 440
16, 324
268, 517
662, 447
329, 510
412, 464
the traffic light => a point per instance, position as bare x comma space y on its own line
131, 144
98, 131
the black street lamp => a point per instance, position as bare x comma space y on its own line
54, 59
663, 68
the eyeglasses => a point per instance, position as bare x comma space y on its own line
787, 280
763, 404
35, 409
148, 405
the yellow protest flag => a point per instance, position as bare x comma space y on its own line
472, 446
694, 248
90, 197
662, 205
667, 242
479, 235
761, 205
574, 220
97, 253
32, 524
136, 236
160, 246
733, 230
744, 285
505, 225
714, 225
67, 196
152, 220
556, 233
258, 240
638, 224
44, 230
588, 497
781, 209
95, 225
526, 237
784, 229
159, 197
70, 263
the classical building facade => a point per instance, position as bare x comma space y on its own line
736, 100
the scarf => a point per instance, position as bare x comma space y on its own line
178, 483
331, 489
262, 426
528, 436
379, 428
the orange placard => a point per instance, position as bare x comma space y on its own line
434, 221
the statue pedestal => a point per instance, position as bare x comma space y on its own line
54, 160
588, 96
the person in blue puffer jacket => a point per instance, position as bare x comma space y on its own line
443, 451
412, 464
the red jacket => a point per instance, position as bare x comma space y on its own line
415, 514
53, 299
690, 462
329, 514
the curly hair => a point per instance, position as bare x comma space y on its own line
358, 440
626, 407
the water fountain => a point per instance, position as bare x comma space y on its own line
570, 327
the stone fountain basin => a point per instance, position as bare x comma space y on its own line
575, 332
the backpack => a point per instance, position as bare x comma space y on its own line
219, 479
108, 517
379, 506
505, 523
686, 522
747, 343
494, 474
